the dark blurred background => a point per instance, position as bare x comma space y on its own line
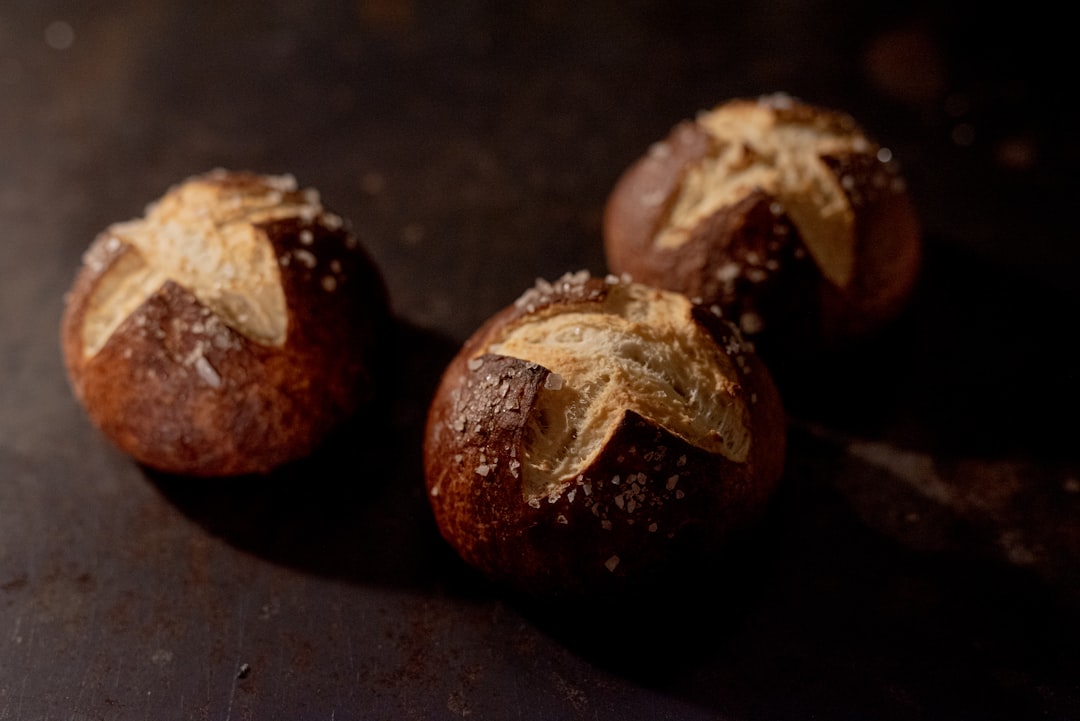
920, 561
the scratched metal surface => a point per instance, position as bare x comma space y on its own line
921, 558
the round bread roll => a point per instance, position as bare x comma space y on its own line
784, 215
598, 435
227, 331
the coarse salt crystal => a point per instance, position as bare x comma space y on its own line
653, 198
751, 323
285, 183
207, 372
659, 150
728, 272
306, 258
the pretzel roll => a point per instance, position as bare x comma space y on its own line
784, 215
227, 331
600, 434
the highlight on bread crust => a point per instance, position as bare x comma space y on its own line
228, 330
599, 433
785, 215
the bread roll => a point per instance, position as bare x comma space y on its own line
599, 434
784, 215
229, 330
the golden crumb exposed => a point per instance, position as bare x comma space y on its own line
204, 235
757, 147
786, 216
638, 350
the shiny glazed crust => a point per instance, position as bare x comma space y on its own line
784, 215
218, 370
646, 498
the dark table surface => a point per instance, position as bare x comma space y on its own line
921, 558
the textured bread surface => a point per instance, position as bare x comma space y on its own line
226, 331
784, 215
636, 351
212, 246
598, 433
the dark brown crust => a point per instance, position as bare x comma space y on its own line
800, 310
271, 404
888, 255
650, 501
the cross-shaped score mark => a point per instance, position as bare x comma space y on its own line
642, 351
205, 237
755, 147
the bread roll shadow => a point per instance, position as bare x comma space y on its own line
922, 620
354, 509
660, 631
818, 613
977, 367
979, 347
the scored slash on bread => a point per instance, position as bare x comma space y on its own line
227, 331
598, 432
635, 351
784, 215
210, 245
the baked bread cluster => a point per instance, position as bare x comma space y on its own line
229, 330
596, 433
602, 433
783, 214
